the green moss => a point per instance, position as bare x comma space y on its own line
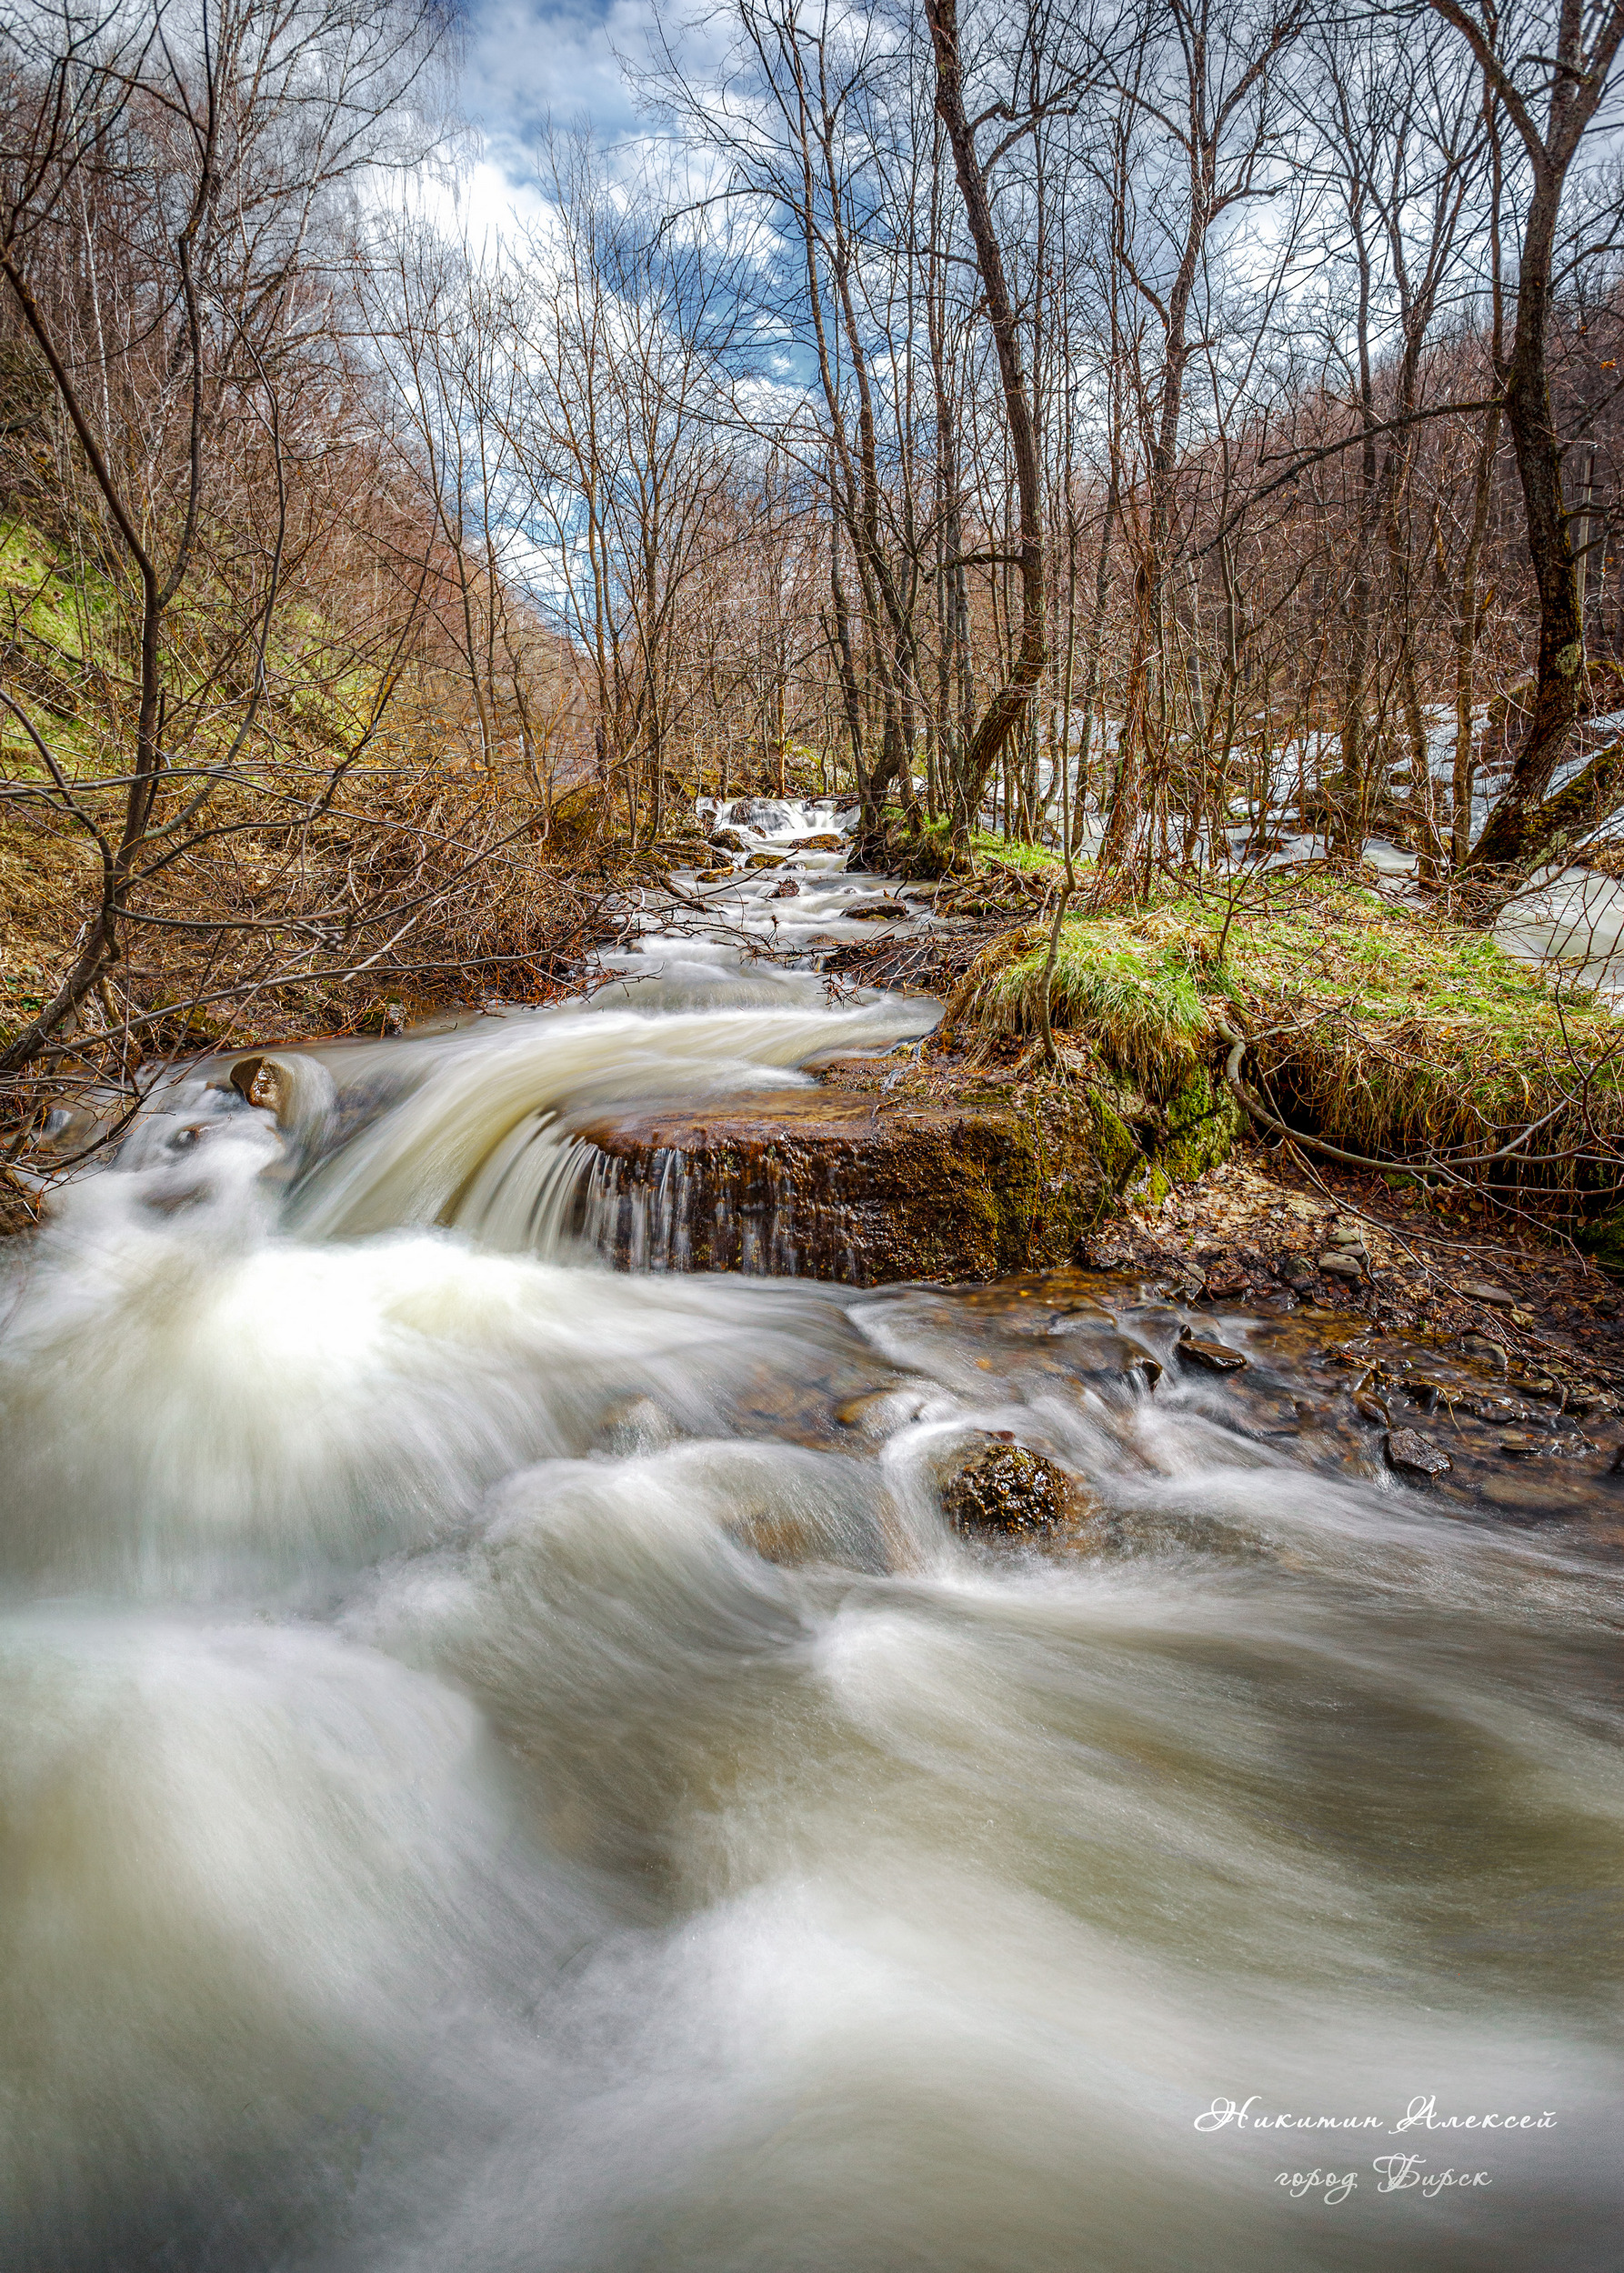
1387, 1029
1203, 1122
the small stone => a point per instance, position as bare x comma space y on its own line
788, 890
1345, 1233
1297, 1270
1003, 1487
764, 860
1523, 1319
1480, 1290
1486, 1352
1521, 1445
1215, 1356
262, 1081
1371, 1408
1342, 1265
1408, 1453
877, 911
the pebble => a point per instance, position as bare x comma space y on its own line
1342, 1265
1486, 1352
1480, 1290
1408, 1453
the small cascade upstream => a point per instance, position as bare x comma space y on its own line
509, 1765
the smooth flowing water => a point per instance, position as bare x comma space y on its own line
507, 1767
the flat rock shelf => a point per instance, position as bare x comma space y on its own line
830, 1183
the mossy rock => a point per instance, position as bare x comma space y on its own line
832, 1184
1203, 1121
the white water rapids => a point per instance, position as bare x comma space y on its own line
496, 1777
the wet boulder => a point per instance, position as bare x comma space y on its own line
262, 1081
728, 840
1000, 1488
878, 912
764, 860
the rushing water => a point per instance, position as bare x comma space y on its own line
500, 1775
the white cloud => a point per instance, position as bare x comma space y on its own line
531, 59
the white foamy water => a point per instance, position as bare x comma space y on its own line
497, 1775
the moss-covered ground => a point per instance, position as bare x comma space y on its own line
1378, 1027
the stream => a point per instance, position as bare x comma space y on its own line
507, 1766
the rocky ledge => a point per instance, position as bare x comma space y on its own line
868, 1184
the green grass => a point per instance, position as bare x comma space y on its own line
1389, 1031
1034, 859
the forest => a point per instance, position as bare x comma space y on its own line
1139, 442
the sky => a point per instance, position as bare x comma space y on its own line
528, 59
